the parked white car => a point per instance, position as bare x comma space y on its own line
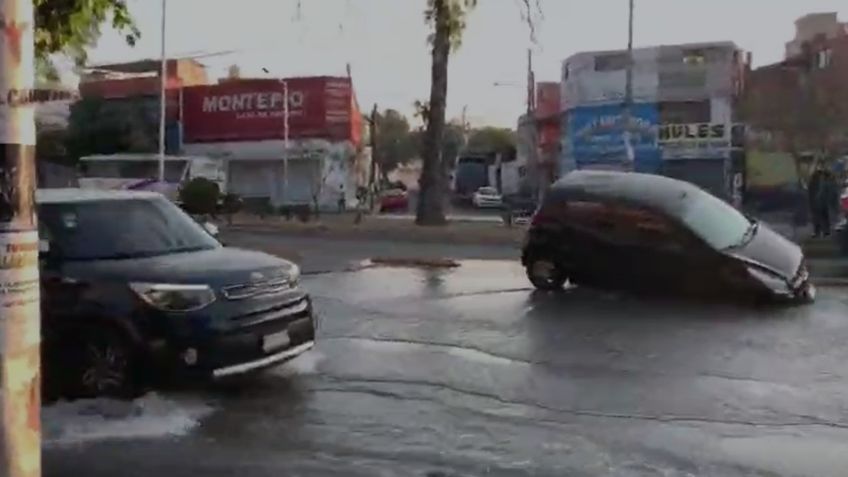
487, 197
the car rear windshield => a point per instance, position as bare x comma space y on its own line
488, 190
120, 229
715, 221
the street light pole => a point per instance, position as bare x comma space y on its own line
162, 100
627, 113
20, 338
285, 141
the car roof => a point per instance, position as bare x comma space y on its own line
62, 196
654, 191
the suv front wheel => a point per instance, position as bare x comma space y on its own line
545, 273
104, 363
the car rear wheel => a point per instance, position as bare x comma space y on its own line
105, 364
545, 274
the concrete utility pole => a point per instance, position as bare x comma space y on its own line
285, 141
627, 112
162, 99
531, 83
20, 337
374, 157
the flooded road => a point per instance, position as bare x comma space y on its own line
469, 372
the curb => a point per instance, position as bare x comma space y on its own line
424, 235
830, 281
415, 262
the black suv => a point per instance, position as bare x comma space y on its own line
652, 233
133, 290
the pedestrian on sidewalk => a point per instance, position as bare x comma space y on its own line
342, 199
821, 189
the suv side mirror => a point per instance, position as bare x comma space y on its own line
211, 229
48, 258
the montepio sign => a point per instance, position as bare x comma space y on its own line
253, 103
254, 110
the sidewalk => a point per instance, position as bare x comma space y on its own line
343, 226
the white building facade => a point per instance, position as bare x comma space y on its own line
682, 119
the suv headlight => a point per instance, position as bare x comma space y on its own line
174, 297
774, 282
294, 276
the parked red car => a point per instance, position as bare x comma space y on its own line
394, 200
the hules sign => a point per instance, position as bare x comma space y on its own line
692, 132
699, 140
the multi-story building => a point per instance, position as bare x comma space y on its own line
802, 101
797, 110
813, 26
681, 119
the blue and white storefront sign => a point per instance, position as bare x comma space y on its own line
596, 137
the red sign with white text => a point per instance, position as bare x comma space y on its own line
547, 99
253, 110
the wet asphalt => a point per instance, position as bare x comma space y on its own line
468, 371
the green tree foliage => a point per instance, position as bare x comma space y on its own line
51, 144
453, 143
199, 196
395, 140
70, 27
491, 139
98, 126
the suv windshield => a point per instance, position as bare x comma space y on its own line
715, 221
117, 229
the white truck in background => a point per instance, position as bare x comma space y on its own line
141, 172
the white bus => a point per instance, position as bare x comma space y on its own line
141, 172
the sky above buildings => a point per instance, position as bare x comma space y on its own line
384, 41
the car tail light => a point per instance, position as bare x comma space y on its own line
541, 218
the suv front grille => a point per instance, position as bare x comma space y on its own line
282, 313
254, 289
801, 276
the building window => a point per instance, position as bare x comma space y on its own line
684, 112
613, 62
824, 58
694, 57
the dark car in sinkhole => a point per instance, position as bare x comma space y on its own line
642, 232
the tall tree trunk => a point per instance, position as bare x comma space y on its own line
431, 202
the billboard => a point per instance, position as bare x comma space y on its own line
253, 110
596, 136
